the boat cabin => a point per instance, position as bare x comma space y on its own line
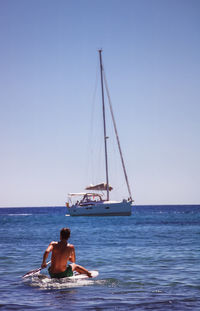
90, 199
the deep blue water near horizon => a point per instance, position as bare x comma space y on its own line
148, 261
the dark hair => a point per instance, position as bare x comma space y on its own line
65, 233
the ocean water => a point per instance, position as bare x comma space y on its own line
148, 261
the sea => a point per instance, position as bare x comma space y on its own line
147, 261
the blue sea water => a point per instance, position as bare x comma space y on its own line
148, 261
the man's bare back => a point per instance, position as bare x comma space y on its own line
62, 252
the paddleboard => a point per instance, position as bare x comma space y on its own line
76, 276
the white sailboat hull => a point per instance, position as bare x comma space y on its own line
106, 208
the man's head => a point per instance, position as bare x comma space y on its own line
65, 233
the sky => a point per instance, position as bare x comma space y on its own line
50, 102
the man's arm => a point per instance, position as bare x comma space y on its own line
72, 257
46, 254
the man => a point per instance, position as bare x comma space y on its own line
62, 252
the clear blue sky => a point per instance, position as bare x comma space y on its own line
49, 65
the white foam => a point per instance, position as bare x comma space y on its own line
48, 283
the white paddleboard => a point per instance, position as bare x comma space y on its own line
77, 276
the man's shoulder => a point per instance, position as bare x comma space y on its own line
70, 245
53, 243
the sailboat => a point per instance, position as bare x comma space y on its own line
92, 203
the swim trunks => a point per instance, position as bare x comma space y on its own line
68, 272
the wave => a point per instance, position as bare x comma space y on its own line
19, 214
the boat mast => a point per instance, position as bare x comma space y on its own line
104, 124
117, 137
